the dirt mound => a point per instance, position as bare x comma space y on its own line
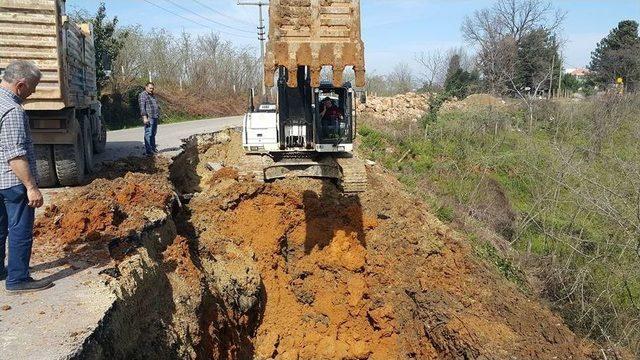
301, 272
474, 101
89, 218
409, 106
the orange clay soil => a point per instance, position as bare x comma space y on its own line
369, 277
312, 261
177, 258
86, 219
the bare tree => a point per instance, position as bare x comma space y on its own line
467, 61
498, 31
435, 64
128, 66
377, 84
206, 64
434, 67
401, 79
527, 95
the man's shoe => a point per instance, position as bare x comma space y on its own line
30, 285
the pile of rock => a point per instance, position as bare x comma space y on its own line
409, 106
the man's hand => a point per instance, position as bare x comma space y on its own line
35, 197
20, 167
145, 120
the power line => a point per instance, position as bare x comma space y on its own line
244, 11
222, 14
206, 18
193, 21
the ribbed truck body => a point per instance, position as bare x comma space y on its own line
37, 30
314, 33
64, 111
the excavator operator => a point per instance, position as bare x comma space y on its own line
331, 116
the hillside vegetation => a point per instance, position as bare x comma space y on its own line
560, 194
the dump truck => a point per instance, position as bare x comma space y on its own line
64, 112
310, 128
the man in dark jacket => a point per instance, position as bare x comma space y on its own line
150, 111
331, 115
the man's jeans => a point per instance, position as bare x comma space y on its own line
150, 131
16, 220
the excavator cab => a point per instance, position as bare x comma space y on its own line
335, 117
318, 119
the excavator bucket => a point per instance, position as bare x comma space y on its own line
314, 33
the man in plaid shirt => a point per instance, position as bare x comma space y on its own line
150, 111
19, 193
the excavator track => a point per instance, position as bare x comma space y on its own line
354, 175
349, 171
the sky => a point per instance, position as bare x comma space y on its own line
394, 31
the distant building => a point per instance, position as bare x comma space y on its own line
579, 73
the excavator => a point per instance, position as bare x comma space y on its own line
310, 128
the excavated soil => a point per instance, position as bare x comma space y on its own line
475, 102
288, 270
94, 221
409, 106
304, 272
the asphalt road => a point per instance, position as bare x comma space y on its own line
129, 142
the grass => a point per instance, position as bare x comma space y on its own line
571, 183
505, 266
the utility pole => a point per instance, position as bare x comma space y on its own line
553, 64
560, 82
261, 35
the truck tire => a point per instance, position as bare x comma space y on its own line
100, 143
46, 166
69, 161
87, 143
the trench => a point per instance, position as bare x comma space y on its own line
170, 303
198, 291
238, 269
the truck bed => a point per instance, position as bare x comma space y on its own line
38, 31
